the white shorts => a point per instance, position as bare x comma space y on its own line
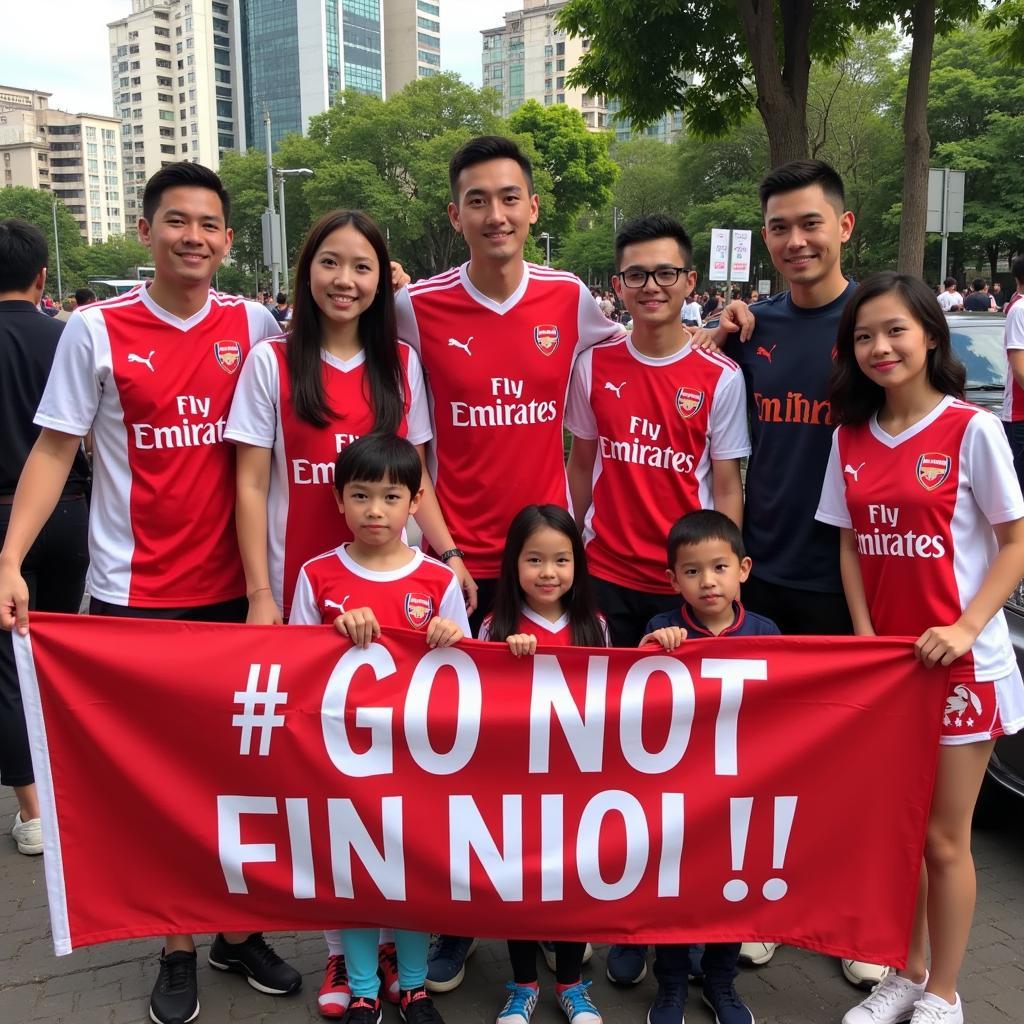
979, 711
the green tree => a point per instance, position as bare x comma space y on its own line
245, 177
36, 207
589, 252
647, 181
118, 258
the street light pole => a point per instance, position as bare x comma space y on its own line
282, 173
56, 246
547, 248
274, 270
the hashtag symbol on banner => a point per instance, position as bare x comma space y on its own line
258, 709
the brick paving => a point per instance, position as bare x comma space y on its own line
110, 984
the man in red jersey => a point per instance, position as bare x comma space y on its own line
151, 375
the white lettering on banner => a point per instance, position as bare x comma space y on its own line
349, 835
552, 836
733, 673
631, 715
641, 454
588, 843
186, 434
504, 869
673, 806
233, 852
303, 882
501, 414
584, 733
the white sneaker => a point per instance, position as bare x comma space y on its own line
891, 1001
28, 835
862, 974
935, 1010
757, 953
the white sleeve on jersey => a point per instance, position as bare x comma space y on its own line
1013, 332
71, 398
261, 322
418, 420
484, 633
593, 326
727, 424
986, 459
253, 416
304, 608
832, 504
453, 607
405, 315
579, 416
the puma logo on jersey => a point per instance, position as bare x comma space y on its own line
958, 703
609, 386
145, 360
853, 472
464, 345
334, 604
766, 352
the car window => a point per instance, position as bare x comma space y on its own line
980, 348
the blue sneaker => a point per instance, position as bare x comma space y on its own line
721, 996
577, 1005
446, 962
519, 1007
627, 965
669, 1003
696, 968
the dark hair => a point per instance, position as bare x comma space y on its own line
646, 229
950, 282
23, 253
801, 174
853, 396
697, 527
482, 149
182, 175
584, 624
1017, 268
282, 297
378, 333
978, 283
83, 296
376, 457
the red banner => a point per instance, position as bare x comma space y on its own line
278, 778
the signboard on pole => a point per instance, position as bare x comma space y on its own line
740, 256
719, 255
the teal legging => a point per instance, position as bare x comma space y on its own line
361, 959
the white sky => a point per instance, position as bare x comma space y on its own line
60, 46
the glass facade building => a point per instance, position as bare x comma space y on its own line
270, 61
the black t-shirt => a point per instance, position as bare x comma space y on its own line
787, 365
28, 340
978, 302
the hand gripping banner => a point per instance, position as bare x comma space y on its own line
278, 778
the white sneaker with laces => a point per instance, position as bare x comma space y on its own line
891, 1001
757, 953
28, 835
934, 1009
862, 974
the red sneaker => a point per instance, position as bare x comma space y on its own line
335, 993
387, 968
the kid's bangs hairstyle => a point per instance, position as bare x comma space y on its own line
698, 527
801, 174
378, 333
649, 228
375, 457
479, 151
853, 396
183, 175
584, 625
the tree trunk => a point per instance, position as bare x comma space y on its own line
917, 143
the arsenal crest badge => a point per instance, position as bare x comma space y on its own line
546, 338
229, 355
932, 469
419, 610
689, 402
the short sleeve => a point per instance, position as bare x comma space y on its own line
986, 457
405, 315
730, 438
453, 606
484, 633
579, 416
832, 507
1013, 332
593, 326
262, 323
304, 611
71, 397
418, 417
253, 416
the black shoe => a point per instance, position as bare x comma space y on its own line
362, 1011
416, 1007
257, 963
175, 998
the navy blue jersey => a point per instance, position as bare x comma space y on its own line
786, 365
744, 624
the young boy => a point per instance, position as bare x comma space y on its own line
706, 565
376, 581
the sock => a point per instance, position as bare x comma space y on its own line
931, 997
561, 988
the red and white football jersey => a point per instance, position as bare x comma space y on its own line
659, 423
497, 375
407, 598
1013, 338
155, 390
302, 516
548, 634
922, 505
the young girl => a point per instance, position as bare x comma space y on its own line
923, 489
337, 374
544, 597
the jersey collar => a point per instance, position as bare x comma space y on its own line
169, 318
539, 620
501, 308
892, 441
694, 627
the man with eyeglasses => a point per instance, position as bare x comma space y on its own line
658, 430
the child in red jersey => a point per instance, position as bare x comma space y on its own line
923, 489
372, 583
544, 596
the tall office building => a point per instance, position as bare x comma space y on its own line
412, 41
295, 56
174, 86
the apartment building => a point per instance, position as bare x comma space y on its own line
412, 41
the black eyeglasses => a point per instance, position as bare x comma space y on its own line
664, 276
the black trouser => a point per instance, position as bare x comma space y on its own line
628, 611
798, 612
234, 610
1015, 435
54, 570
672, 962
568, 961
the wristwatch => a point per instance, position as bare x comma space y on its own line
447, 556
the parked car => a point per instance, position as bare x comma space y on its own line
978, 342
